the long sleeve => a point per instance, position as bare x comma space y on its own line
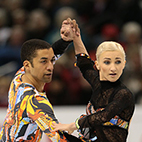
121, 101
121, 104
86, 67
29, 114
41, 112
60, 46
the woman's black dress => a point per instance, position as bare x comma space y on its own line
114, 101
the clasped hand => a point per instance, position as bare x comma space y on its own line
69, 30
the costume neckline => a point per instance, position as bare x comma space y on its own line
108, 84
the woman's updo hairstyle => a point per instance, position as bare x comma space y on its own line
109, 46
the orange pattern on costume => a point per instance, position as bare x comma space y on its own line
29, 114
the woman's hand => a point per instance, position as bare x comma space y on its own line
64, 127
69, 29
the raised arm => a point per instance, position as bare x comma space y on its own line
67, 36
75, 34
78, 43
60, 46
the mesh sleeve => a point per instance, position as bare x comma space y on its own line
121, 101
60, 46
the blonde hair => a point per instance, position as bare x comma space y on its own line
109, 46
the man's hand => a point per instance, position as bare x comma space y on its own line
64, 127
69, 30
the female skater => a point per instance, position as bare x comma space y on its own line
111, 105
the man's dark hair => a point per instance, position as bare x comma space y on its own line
29, 48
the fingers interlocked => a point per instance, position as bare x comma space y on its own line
69, 29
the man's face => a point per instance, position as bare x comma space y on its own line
42, 68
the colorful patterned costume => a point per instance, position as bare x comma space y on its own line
30, 113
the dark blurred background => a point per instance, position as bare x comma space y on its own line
99, 20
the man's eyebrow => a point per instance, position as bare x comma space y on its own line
43, 58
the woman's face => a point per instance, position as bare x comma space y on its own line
110, 65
